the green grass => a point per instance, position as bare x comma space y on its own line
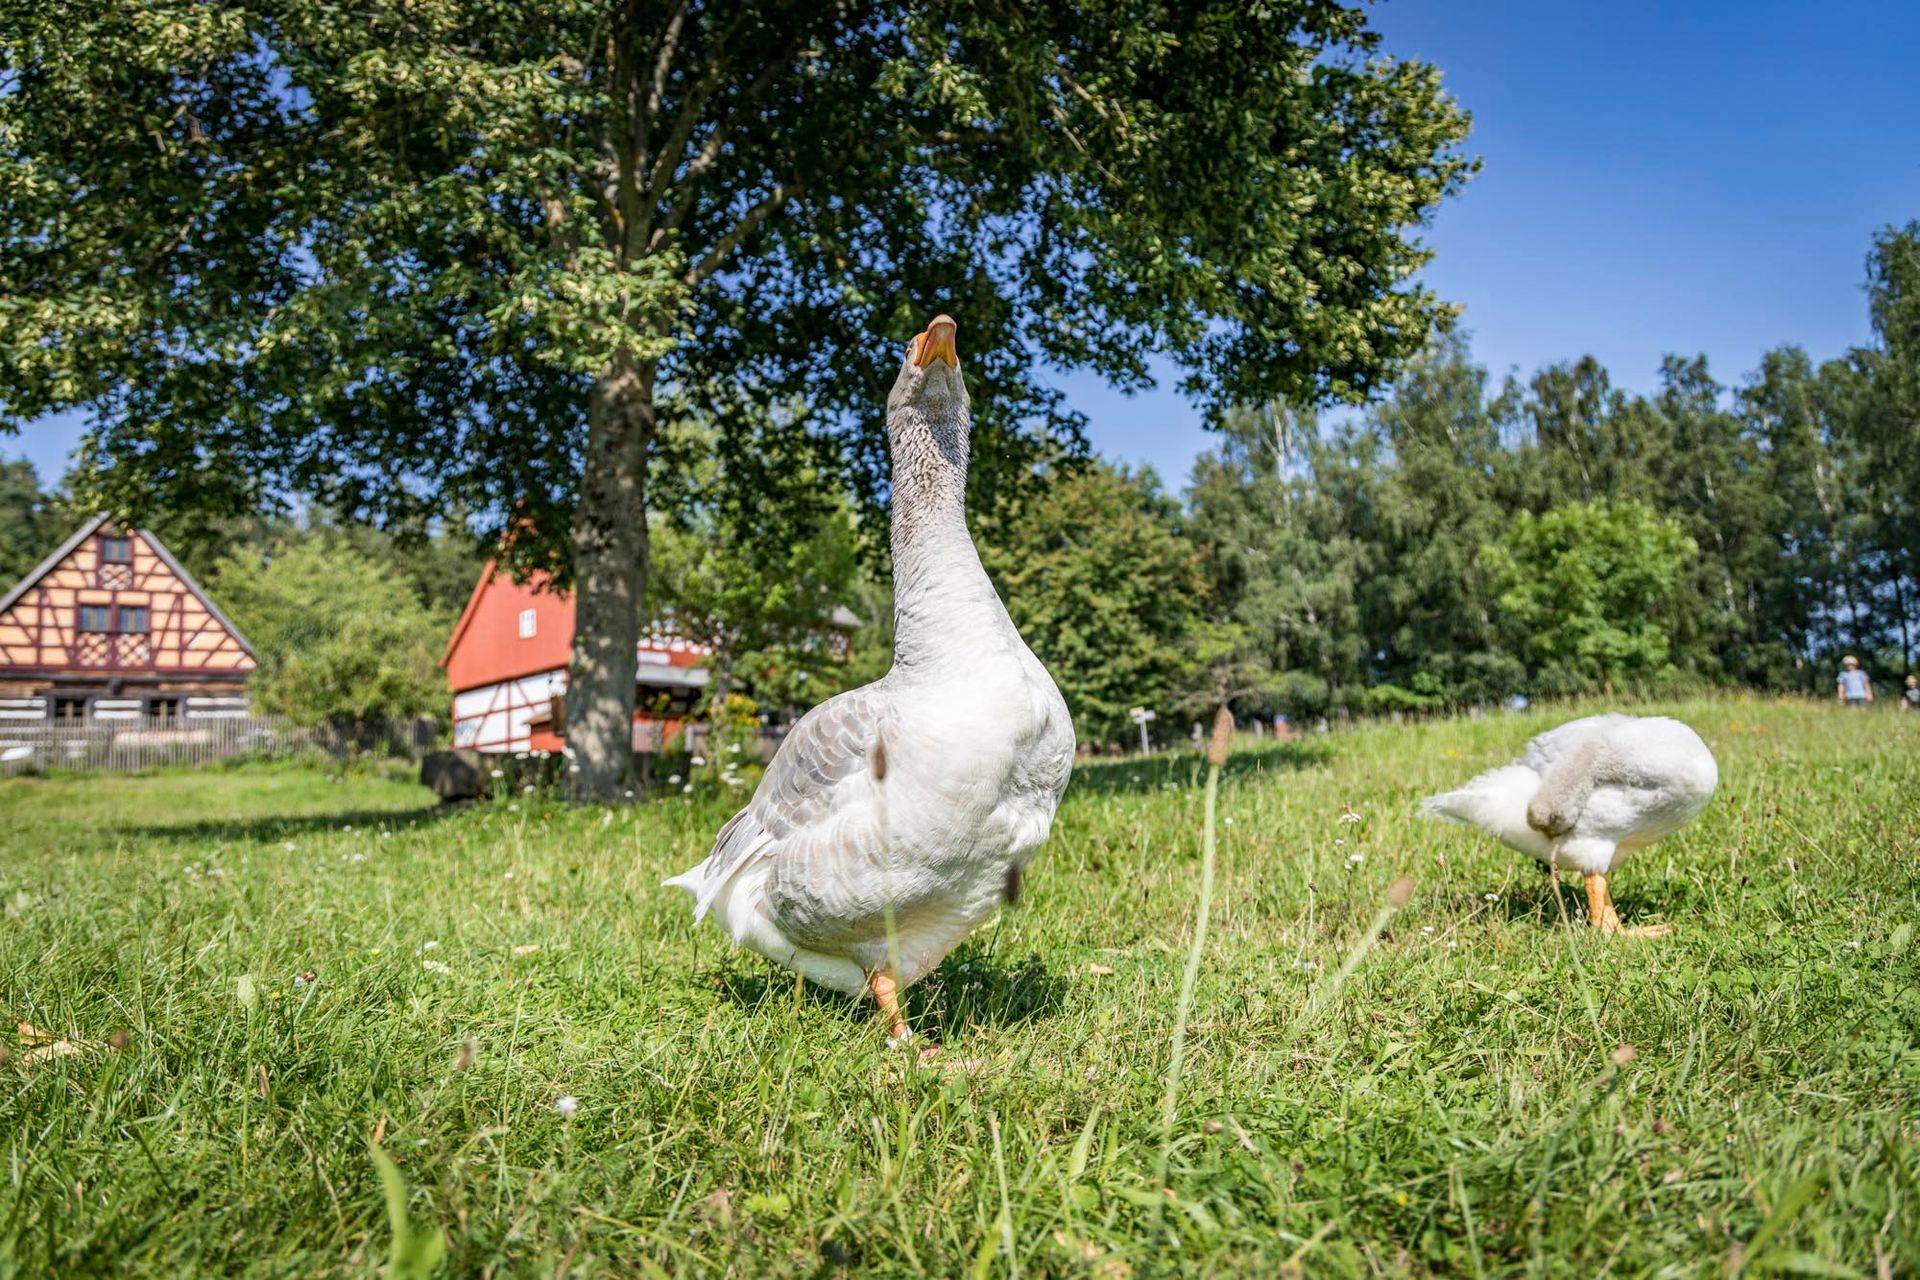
1461, 1105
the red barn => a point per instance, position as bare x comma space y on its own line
110, 627
507, 663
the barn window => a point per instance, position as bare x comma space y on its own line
69, 710
164, 711
94, 617
116, 550
133, 619
529, 623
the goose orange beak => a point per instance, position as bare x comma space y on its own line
936, 343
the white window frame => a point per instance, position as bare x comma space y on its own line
529, 623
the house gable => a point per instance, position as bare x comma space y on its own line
509, 630
114, 602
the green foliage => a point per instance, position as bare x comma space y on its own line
1347, 561
383, 257
1106, 591
339, 634
1582, 587
31, 521
760, 554
1456, 1098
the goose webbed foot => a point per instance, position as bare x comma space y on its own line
1605, 918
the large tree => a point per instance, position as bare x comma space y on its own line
394, 254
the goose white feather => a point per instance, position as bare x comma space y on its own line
894, 817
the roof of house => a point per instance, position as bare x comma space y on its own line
159, 548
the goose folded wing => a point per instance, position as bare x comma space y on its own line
816, 815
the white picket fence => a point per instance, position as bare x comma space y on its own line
138, 743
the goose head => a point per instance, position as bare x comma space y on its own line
927, 410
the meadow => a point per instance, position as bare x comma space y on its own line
275, 1021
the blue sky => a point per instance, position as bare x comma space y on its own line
1688, 178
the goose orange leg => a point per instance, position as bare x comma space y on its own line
887, 996
1601, 911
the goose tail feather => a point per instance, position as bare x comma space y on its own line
1496, 801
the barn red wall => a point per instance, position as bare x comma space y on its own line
487, 646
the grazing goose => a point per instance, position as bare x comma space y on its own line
897, 817
1589, 793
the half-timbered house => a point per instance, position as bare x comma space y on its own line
507, 663
111, 627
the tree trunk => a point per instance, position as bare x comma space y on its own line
610, 581
722, 681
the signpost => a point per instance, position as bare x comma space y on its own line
1140, 716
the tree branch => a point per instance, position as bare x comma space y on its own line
753, 217
638, 134
717, 138
667, 158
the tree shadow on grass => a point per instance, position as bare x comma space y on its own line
1139, 774
970, 989
269, 827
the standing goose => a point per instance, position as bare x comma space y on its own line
897, 817
1588, 794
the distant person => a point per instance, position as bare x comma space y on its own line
1910, 698
1853, 689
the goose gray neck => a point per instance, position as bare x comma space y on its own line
944, 604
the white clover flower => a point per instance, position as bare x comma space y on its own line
288, 846
673, 779
697, 761
566, 1105
1228, 821
513, 808
1491, 897
527, 790
359, 857
733, 748
687, 790
1353, 859
496, 773
435, 966
431, 944
629, 793
1426, 928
